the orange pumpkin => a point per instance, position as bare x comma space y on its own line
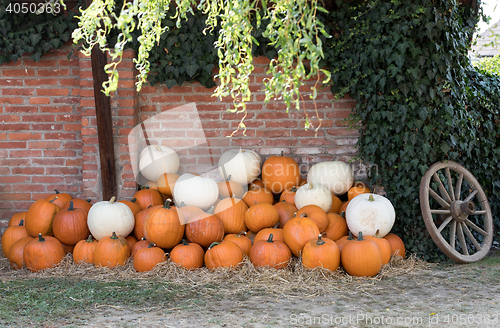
148, 257
384, 245
223, 255
84, 250
39, 217
315, 214
166, 182
152, 185
241, 240
131, 240
204, 229
187, 255
358, 189
132, 204
68, 249
62, 198
146, 197
43, 253
280, 173
342, 241
16, 258
288, 195
79, 203
297, 232
286, 211
111, 251
256, 183
344, 206
257, 195
361, 257
336, 205
16, 218
397, 245
260, 216
70, 226
164, 226
270, 253
11, 235
337, 226
230, 188
322, 253
265, 233
140, 219
231, 211
188, 210
137, 246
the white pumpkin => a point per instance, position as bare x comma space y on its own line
368, 213
243, 166
108, 216
197, 191
337, 176
155, 160
313, 194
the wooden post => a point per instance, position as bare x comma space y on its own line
104, 125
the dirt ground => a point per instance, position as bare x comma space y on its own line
408, 295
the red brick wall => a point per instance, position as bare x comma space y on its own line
48, 134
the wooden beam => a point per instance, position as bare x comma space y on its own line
104, 125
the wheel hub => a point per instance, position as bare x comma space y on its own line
460, 210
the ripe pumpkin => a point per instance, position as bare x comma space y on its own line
231, 211
16, 218
146, 197
166, 183
257, 195
62, 198
204, 229
70, 226
270, 253
397, 245
16, 253
358, 189
243, 166
256, 183
223, 255
337, 227
148, 257
131, 240
84, 250
337, 176
187, 255
260, 216
322, 253
105, 217
279, 173
43, 253
151, 185
154, 160
241, 240
342, 241
297, 232
164, 226
137, 246
344, 206
316, 214
288, 195
313, 194
230, 188
68, 249
39, 217
370, 213
265, 233
132, 204
384, 245
361, 257
111, 251
196, 190
336, 205
286, 211
11, 235
140, 219
79, 203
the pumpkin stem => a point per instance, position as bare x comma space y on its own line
71, 207
228, 178
320, 241
21, 223
113, 236
57, 191
183, 204
40, 238
244, 233
303, 215
52, 200
89, 200
294, 189
143, 238
89, 239
215, 243
134, 200
184, 242
281, 153
150, 205
151, 245
211, 210
377, 233
350, 236
360, 236
370, 198
167, 203
270, 239
342, 214
311, 185
112, 200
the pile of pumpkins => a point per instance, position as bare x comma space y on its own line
265, 211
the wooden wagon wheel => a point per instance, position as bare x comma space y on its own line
456, 212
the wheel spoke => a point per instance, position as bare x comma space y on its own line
458, 186
461, 239
475, 227
441, 201
445, 223
470, 236
453, 232
471, 196
440, 211
450, 184
480, 212
442, 189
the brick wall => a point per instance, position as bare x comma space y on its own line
48, 133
